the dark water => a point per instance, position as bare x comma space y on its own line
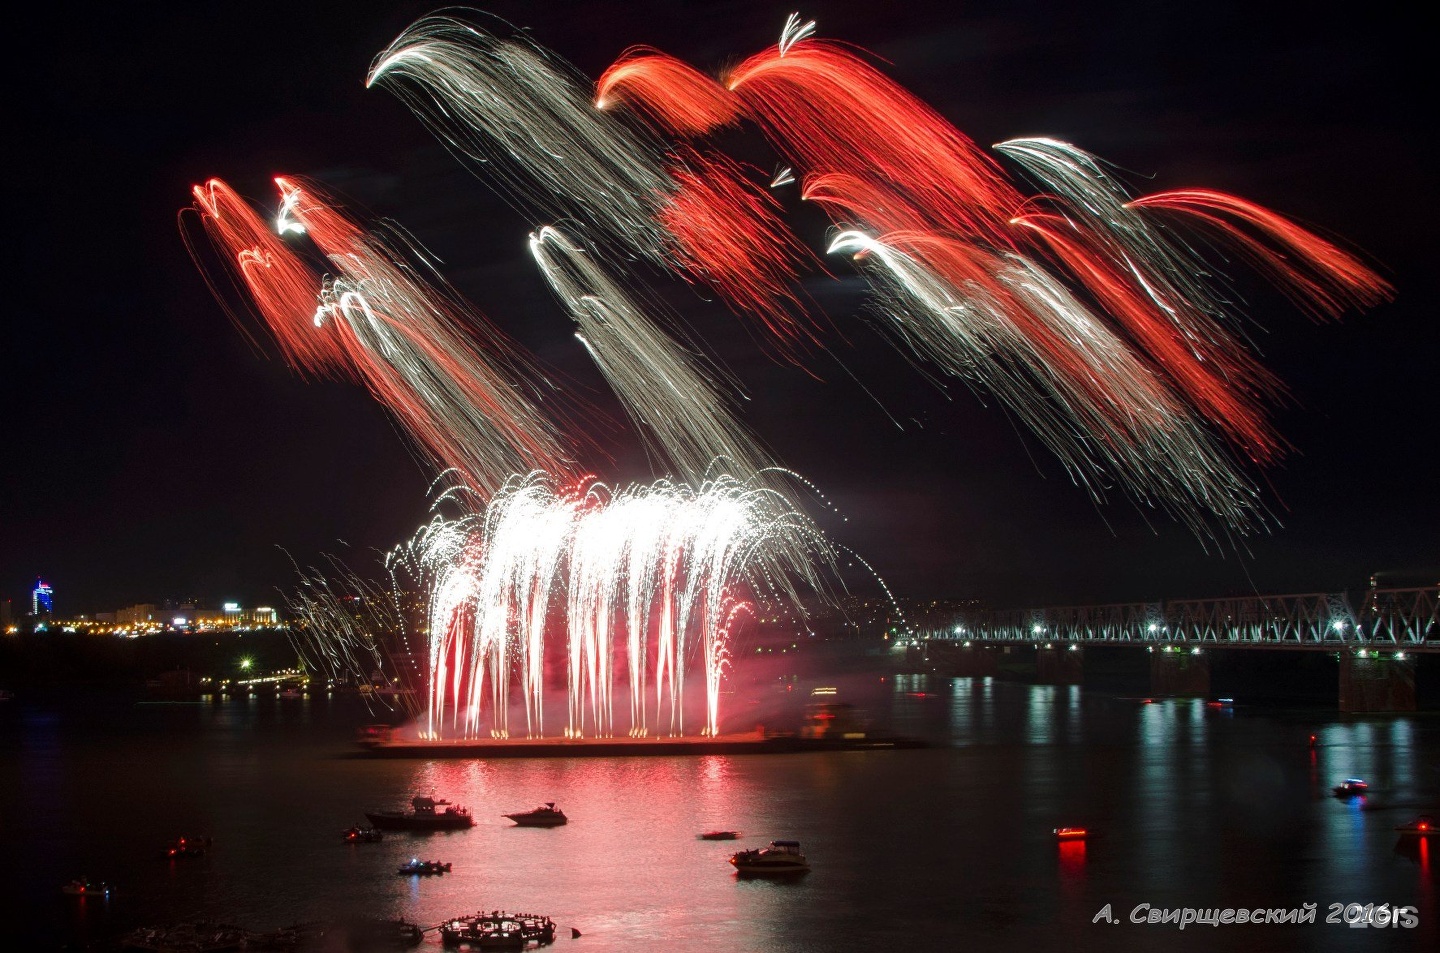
912, 850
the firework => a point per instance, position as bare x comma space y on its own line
655, 573
673, 95
521, 117
456, 382
679, 403
1319, 276
1006, 327
280, 285
728, 232
358, 631
457, 385
827, 110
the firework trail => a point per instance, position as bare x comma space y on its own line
1319, 276
268, 273
354, 630
1154, 284
1011, 330
415, 345
1211, 373
728, 232
828, 111
522, 118
679, 405
674, 96
411, 343
661, 563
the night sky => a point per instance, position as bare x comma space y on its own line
153, 452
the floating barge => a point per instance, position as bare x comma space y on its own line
393, 746
497, 930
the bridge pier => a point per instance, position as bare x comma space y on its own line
1176, 670
963, 661
1372, 682
1059, 665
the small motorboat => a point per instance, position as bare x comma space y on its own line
428, 814
1422, 826
423, 868
363, 835
1351, 787
780, 858
1071, 833
720, 835
546, 815
188, 847
85, 887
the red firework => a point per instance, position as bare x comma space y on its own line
1217, 375
669, 92
281, 285
727, 231
1321, 277
827, 110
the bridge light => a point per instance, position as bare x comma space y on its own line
1399, 655
1037, 629
1074, 647
1153, 627
1195, 651
967, 643
959, 630
1338, 625
1363, 653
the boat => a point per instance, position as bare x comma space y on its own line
780, 858
720, 835
1351, 787
1070, 833
85, 887
363, 835
425, 868
1422, 826
546, 815
429, 814
290, 693
497, 930
188, 847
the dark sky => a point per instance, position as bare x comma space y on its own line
151, 452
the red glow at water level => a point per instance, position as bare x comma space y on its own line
1072, 857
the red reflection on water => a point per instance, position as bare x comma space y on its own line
1072, 858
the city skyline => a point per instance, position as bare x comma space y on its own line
209, 470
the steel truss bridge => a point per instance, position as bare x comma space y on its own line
1405, 620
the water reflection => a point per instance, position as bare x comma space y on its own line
955, 842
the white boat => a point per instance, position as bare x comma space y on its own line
781, 857
546, 815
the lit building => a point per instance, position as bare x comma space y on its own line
139, 614
42, 600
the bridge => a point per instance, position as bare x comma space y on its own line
1376, 640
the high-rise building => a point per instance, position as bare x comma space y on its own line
42, 600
